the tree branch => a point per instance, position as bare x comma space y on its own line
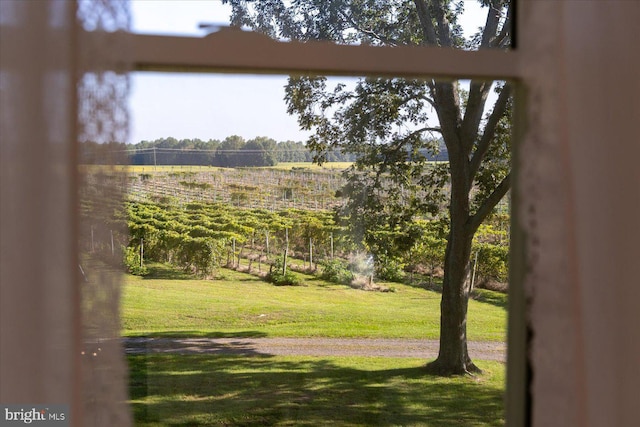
430, 100
387, 40
426, 129
428, 31
447, 103
447, 106
418, 131
485, 209
490, 130
501, 39
444, 31
491, 26
478, 92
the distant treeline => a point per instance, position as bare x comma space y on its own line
233, 151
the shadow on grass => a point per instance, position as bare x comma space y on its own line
201, 334
498, 299
166, 272
260, 391
159, 271
190, 346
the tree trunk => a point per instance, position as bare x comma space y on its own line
453, 357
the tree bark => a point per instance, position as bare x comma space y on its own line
453, 357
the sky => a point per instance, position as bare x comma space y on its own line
211, 106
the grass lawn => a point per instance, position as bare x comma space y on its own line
200, 390
244, 305
232, 390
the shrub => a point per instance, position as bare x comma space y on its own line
336, 271
493, 261
390, 269
132, 262
200, 254
278, 278
390, 273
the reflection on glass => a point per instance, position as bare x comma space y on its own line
102, 236
407, 214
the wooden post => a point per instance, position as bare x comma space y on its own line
112, 247
233, 250
141, 251
331, 241
310, 254
240, 256
286, 251
473, 275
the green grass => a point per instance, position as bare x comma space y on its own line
244, 305
201, 390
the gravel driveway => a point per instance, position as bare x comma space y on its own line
480, 350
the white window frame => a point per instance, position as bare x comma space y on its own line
574, 245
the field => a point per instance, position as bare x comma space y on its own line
290, 185
169, 301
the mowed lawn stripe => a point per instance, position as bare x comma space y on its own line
243, 305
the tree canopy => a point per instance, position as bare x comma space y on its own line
233, 151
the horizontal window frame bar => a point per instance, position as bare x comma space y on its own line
235, 51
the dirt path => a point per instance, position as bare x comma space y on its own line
308, 347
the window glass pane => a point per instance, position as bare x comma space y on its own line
178, 17
468, 24
224, 205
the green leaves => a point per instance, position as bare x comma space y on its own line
337, 271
